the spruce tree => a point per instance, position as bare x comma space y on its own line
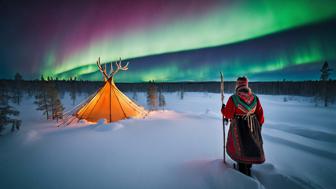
181, 94
17, 89
152, 96
57, 109
8, 114
48, 101
55, 102
325, 72
162, 101
135, 96
18, 77
42, 101
73, 94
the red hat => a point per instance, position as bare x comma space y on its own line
242, 82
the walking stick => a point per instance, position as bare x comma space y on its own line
223, 120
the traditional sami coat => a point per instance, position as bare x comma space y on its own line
244, 143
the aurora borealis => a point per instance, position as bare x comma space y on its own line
168, 40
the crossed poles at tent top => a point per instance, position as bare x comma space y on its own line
112, 71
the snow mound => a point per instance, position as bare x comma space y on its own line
32, 136
211, 114
103, 126
271, 178
216, 174
83, 122
164, 114
101, 122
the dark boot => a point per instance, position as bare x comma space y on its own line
242, 168
245, 168
248, 169
248, 172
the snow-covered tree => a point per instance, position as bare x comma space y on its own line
18, 77
181, 94
325, 72
8, 114
73, 94
152, 97
55, 102
17, 89
48, 101
135, 96
43, 103
17, 95
162, 101
57, 109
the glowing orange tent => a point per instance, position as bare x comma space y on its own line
109, 102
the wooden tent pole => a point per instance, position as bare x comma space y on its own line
110, 100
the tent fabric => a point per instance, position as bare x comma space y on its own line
111, 104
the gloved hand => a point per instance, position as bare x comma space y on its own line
226, 121
223, 107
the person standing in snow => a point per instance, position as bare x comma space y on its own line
244, 144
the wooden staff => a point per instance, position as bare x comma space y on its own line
223, 120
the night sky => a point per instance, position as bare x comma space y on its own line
168, 40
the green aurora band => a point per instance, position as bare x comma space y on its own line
172, 72
224, 25
233, 66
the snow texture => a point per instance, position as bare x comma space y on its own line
179, 147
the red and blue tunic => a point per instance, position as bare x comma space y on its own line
244, 143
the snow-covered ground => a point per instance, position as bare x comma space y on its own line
180, 147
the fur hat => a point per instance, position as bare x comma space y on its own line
242, 82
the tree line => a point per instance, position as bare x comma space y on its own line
48, 92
